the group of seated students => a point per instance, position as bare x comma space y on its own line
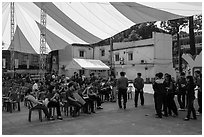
78, 96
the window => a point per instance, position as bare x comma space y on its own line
35, 58
130, 56
117, 57
81, 53
81, 72
102, 52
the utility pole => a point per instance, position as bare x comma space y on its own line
179, 50
43, 21
12, 24
111, 56
192, 36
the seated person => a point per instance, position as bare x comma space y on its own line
71, 99
89, 92
89, 103
52, 100
36, 104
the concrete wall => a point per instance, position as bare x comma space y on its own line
88, 52
155, 52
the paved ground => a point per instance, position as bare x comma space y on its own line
109, 121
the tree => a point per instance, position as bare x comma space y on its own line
134, 36
173, 26
198, 22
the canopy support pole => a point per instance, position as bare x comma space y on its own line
12, 39
43, 20
112, 70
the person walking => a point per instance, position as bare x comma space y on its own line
139, 85
122, 84
190, 98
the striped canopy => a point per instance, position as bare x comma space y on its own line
82, 22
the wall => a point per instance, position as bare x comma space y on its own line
97, 53
163, 53
88, 52
156, 53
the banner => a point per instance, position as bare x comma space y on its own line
3, 63
16, 63
27, 63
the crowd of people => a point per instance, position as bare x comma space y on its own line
81, 92
165, 89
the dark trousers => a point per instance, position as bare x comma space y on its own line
44, 108
55, 104
171, 105
165, 101
181, 97
122, 92
158, 100
75, 104
200, 101
190, 108
137, 93
89, 103
97, 98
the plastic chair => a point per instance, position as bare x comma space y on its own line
129, 92
31, 108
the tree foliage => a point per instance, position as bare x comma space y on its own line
171, 25
198, 22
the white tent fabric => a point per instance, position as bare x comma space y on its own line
90, 64
82, 22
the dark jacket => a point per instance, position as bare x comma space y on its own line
138, 83
190, 92
159, 87
122, 83
181, 83
170, 87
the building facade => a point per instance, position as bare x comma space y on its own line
147, 56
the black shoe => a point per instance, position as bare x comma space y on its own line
93, 112
59, 117
174, 115
186, 119
87, 112
158, 116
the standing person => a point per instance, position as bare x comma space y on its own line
139, 85
198, 81
190, 98
170, 92
181, 95
122, 85
159, 91
113, 82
